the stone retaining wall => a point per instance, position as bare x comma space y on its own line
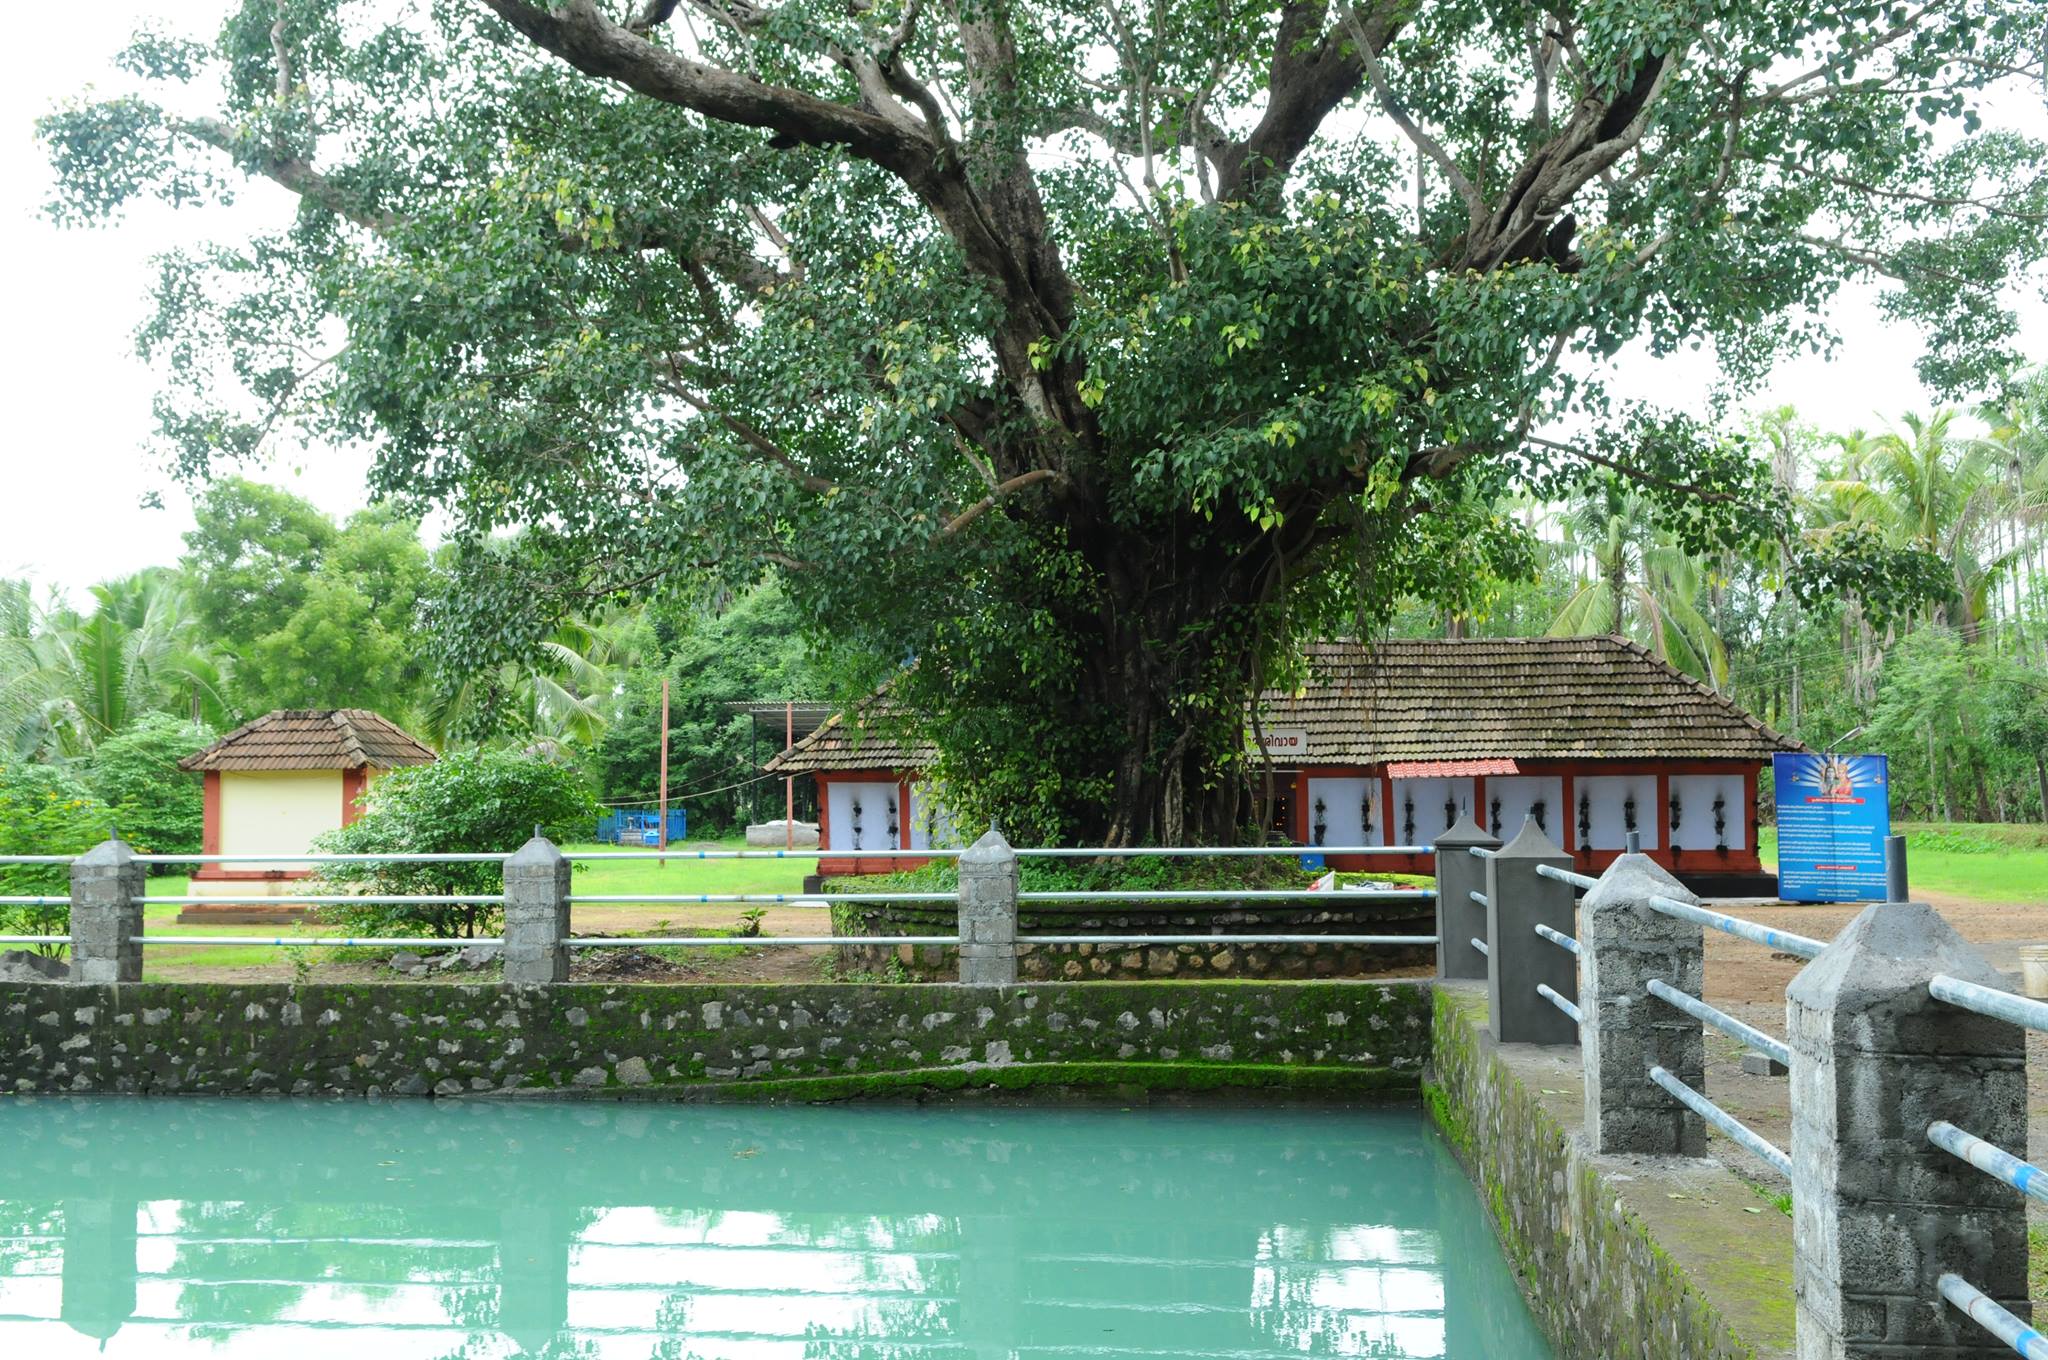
1622, 1258
826, 1040
1078, 963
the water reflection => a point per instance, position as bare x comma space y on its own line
489, 1232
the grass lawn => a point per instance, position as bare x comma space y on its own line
1992, 863
678, 874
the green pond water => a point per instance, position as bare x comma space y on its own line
301, 1230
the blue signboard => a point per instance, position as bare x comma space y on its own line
1834, 813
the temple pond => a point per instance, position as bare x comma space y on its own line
303, 1229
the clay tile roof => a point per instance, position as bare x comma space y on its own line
1584, 698
1579, 698
313, 739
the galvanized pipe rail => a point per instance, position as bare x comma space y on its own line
1746, 1035
1480, 945
314, 857
1986, 1313
1544, 990
1559, 938
592, 899
1206, 939
2018, 1010
1232, 894
1198, 851
1993, 1161
1579, 881
341, 900
1782, 940
1481, 898
748, 941
1744, 1136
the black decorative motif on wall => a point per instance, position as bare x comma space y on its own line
1540, 810
1585, 819
1322, 826
1494, 813
1450, 810
856, 824
1628, 813
1721, 822
895, 828
1365, 815
1675, 809
1407, 819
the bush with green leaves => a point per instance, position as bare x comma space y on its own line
44, 810
465, 803
159, 807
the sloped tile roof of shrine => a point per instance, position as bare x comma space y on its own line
1547, 698
313, 739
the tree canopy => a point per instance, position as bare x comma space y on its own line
1092, 356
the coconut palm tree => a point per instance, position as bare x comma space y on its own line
69, 680
1641, 584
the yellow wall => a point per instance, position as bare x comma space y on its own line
275, 812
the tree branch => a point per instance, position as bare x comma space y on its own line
1000, 493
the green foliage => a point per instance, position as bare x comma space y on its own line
466, 802
44, 811
158, 807
752, 650
1095, 392
317, 616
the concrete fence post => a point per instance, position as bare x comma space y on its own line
1518, 899
1878, 1212
106, 914
988, 912
1460, 920
536, 914
1623, 944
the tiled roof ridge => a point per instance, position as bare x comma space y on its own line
313, 738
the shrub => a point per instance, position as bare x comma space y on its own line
44, 810
470, 802
158, 806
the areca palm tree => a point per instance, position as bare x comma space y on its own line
1641, 584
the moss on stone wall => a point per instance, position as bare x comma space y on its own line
1600, 1283
459, 1040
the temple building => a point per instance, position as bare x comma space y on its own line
1388, 744
274, 784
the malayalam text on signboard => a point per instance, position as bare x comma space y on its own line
1834, 813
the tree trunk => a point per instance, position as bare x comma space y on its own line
2041, 779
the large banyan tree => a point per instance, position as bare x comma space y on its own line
1073, 360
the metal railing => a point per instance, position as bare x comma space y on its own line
314, 859
1231, 894
1544, 990
1747, 1035
1558, 938
1996, 1320
1992, 1160
1744, 1136
1579, 881
1782, 940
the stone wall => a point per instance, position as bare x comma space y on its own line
823, 1041
1622, 1258
1083, 962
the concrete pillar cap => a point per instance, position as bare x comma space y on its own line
1466, 833
1531, 843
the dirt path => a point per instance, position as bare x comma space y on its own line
1749, 983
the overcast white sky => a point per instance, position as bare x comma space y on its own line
75, 470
